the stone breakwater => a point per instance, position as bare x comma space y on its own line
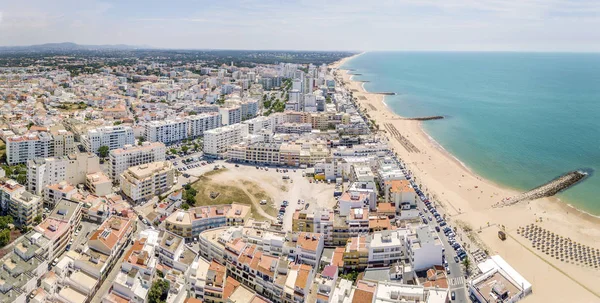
546, 190
383, 93
425, 118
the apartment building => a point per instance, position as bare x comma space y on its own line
22, 205
167, 131
308, 248
319, 221
132, 155
353, 200
72, 168
33, 145
230, 115
387, 247
64, 143
198, 124
217, 141
355, 254
111, 136
104, 246
248, 109
190, 223
99, 183
297, 283
294, 128
198, 277
142, 182
401, 194
173, 252
258, 124
424, 248
326, 283
53, 193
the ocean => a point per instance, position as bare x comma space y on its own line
518, 119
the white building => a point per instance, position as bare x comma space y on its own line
132, 155
308, 248
256, 125
424, 248
216, 141
112, 136
167, 131
198, 124
498, 282
249, 108
387, 247
230, 115
145, 181
19, 149
72, 169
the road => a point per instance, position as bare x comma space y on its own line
456, 277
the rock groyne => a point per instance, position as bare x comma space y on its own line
425, 118
549, 189
384, 93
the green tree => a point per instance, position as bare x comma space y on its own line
158, 291
185, 149
173, 151
4, 221
185, 206
38, 219
352, 276
467, 264
21, 179
103, 151
4, 237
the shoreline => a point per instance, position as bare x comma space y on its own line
468, 197
593, 218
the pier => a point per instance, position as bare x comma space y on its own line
549, 189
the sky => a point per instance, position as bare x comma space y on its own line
444, 25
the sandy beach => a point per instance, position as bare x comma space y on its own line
468, 197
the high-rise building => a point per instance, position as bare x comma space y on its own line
231, 115
112, 136
167, 131
198, 124
19, 149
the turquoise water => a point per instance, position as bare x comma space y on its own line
519, 119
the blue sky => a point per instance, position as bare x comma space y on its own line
516, 25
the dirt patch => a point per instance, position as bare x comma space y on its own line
245, 192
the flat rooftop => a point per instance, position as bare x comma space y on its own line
496, 282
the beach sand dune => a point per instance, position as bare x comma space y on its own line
468, 197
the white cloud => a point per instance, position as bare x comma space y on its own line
310, 24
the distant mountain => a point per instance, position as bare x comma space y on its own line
70, 46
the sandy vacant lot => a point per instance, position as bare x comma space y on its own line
248, 185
